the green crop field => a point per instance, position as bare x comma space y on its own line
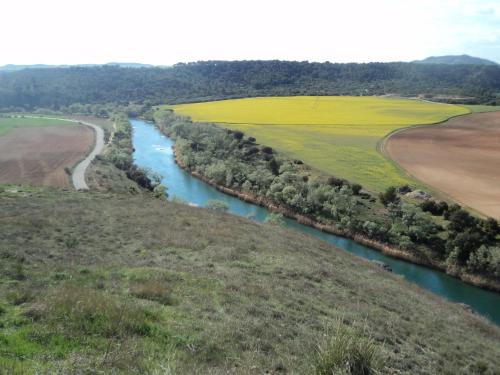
482, 108
336, 135
9, 123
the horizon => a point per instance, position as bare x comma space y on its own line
188, 62
317, 31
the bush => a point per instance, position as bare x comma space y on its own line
274, 167
217, 205
267, 150
275, 219
389, 196
238, 135
347, 352
356, 188
334, 181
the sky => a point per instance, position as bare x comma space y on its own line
167, 32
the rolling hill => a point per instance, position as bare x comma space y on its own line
456, 60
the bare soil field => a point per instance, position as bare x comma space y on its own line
460, 158
38, 156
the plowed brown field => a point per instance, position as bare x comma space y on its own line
38, 156
460, 158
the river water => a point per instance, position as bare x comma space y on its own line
153, 150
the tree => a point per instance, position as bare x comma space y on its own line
274, 166
389, 196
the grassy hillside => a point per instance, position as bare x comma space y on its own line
122, 283
337, 135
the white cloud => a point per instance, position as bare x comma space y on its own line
165, 32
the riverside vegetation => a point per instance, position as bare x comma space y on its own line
430, 233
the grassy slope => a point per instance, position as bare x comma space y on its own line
336, 135
7, 123
202, 292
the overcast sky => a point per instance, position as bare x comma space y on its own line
166, 32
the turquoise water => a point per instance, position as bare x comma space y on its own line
153, 150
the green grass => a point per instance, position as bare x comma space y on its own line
335, 135
98, 282
482, 108
9, 123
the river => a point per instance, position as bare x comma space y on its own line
153, 150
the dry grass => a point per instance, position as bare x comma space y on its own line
242, 297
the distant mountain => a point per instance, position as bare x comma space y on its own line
456, 60
13, 67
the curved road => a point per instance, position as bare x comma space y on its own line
78, 175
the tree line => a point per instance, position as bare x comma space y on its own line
59, 88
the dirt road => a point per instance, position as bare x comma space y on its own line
78, 176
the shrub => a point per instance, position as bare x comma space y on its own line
275, 219
356, 188
267, 150
238, 135
334, 181
160, 191
217, 205
389, 196
347, 352
274, 166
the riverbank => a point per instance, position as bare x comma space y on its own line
389, 250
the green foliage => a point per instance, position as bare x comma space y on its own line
275, 219
217, 205
85, 89
389, 196
160, 191
120, 155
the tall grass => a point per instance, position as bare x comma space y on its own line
346, 351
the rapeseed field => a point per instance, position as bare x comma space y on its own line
336, 135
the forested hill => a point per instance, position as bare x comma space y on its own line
54, 88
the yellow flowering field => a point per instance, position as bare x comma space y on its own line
337, 135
